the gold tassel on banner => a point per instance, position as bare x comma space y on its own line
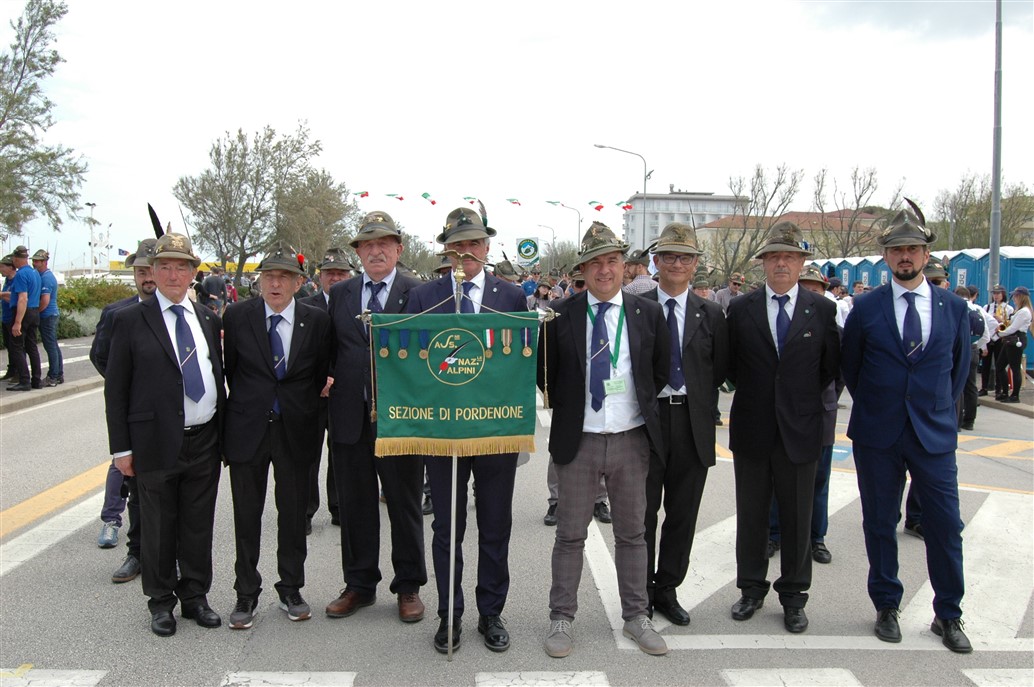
404, 446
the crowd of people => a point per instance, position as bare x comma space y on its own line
633, 375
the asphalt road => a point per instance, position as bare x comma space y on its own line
63, 622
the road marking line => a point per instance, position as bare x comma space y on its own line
1006, 449
51, 404
26, 546
790, 677
545, 418
543, 678
34, 677
681, 642
999, 677
287, 679
45, 502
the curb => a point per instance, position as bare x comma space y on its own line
1014, 408
29, 399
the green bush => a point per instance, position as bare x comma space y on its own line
68, 327
81, 293
85, 321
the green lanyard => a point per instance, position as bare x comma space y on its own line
616, 348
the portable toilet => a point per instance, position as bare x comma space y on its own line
1017, 266
880, 272
965, 270
865, 272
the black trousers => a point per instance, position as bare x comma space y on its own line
967, 405
314, 476
988, 365
757, 478
290, 492
356, 471
177, 508
11, 367
678, 480
1009, 357
25, 345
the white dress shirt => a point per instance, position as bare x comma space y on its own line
285, 328
478, 292
924, 304
680, 321
772, 307
204, 410
364, 297
620, 411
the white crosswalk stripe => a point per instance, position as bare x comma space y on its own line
1000, 677
543, 678
27, 676
790, 677
288, 679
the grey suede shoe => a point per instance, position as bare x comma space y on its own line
640, 630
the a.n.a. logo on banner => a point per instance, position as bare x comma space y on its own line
456, 357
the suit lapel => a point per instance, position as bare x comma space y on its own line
758, 309
301, 330
802, 314
490, 297
396, 297
257, 320
354, 303
887, 306
633, 322
156, 321
937, 320
694, 317
578, 316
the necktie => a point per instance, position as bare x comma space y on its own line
467, 305
676, 379
276, 345
193, 384
599, 361
782, 321
912, 330
374, 304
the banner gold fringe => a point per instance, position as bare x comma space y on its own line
405, 446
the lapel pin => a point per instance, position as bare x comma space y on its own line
698, 314
807, 312
301, 324
494, 289
637, 311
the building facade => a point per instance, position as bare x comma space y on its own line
650, 213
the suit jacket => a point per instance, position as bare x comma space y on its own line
143, 387
780, 396
562, 362
350, 354
705, 362
499, 295
102, 337
887, 387
316, 300
253, 383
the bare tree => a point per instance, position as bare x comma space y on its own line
734, 244
963, 214
850, 227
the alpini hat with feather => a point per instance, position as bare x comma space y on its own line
599, 240
375, 225
283, 258
174, 246
784, 237
677, 237
144, 253
335, 259
908, 228
463, 224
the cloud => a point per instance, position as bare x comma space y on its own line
926, 18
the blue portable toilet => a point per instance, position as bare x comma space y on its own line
849, 271
866, 270
965, 270
880, 272
1017, 266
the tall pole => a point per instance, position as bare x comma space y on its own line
552, 247
577, 236
996, 164
93, 267
646, 175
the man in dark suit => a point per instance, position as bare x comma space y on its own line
334, 269
602, 362
906, 357
277, 356
381, 288
163, 394
699, 360
117, 485
468, 235
784, 350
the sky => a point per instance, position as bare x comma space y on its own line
506, 100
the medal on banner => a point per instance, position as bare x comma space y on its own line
403, 344
507, 337
425, 340
526, 338
489, 342
384, 334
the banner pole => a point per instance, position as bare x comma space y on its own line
458, 275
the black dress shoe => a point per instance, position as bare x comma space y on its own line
671, 610
308, 526
128, 571
820, 553
773, 546
795, 620
37, 384
23, 386
1011, 399
428, 507
916, 530
550, 519
335, 520
745, 607
602, 512
202, 614
887, 629
982, 392
163, 624
496, 636
966, 425
951, 634
441, 637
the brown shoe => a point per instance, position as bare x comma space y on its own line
411, 608
348, 603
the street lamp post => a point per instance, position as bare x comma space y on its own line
578, 236
91, 221
646, 175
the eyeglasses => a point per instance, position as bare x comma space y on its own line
672, 258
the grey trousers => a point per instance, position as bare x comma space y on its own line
623, 461
551, 484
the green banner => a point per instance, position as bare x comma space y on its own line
455, 384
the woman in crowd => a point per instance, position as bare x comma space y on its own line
1012, 341
1001, 311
